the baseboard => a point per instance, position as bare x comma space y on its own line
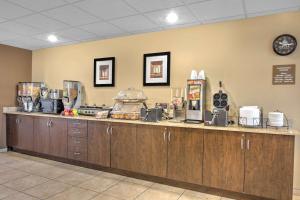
297, 191
3, 150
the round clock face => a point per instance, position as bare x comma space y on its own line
285, 44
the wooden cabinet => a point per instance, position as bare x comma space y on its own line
12, 134
41, 135
123, 146
50, 136
269, 166
58, 137
185, 154
151, 150
20, 132
223, 163
250, 163
99, 143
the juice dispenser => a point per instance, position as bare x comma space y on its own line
195, 100
72, 94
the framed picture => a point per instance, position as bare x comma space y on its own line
157, 69
104, 72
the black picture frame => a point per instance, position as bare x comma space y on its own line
113, 60
146, 56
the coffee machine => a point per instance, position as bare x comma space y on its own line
196, 94
72, 94
28, 96
51, 101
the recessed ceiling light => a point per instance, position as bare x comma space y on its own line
52, 38
172, 18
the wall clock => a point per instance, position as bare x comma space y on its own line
285, 44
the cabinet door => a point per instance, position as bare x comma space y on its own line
99, 143
223, 163
25, 132
185, 155
58, 137
41, 135
269, 166
123, 147
12, 134
151, 150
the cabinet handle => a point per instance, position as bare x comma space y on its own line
165, 132
242, 143
107, 130
248, 144
77, 142
17, 121
76, 153
48, 125
169, 136
111, 130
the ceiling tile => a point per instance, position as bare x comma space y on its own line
216, 9
106, 9
72, 1
134, 23
254, 6
210, 21
42, 22
7, 35
184, 16
39, 5
2, 20
19, 28
271, 12
102, 29
26, 43
44, 37
76, 34
10, 11
146, 5
193, 1
71, 15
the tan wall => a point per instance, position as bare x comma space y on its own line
239, 53
15, 66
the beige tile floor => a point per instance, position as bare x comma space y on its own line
24, 177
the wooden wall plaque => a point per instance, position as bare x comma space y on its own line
284, 75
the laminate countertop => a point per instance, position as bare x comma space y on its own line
280, 131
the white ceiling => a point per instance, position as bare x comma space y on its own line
27, 23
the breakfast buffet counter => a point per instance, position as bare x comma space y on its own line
234, 128
257, 162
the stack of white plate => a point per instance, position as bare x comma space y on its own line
276, 119
250, 116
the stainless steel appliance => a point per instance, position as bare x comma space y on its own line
196, 94
55, 94
152, 114
219, 115
92, 110
72, 94
52, 106
28, 96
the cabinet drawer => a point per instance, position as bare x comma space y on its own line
77, 132
77, 155
78, 124
77, 144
